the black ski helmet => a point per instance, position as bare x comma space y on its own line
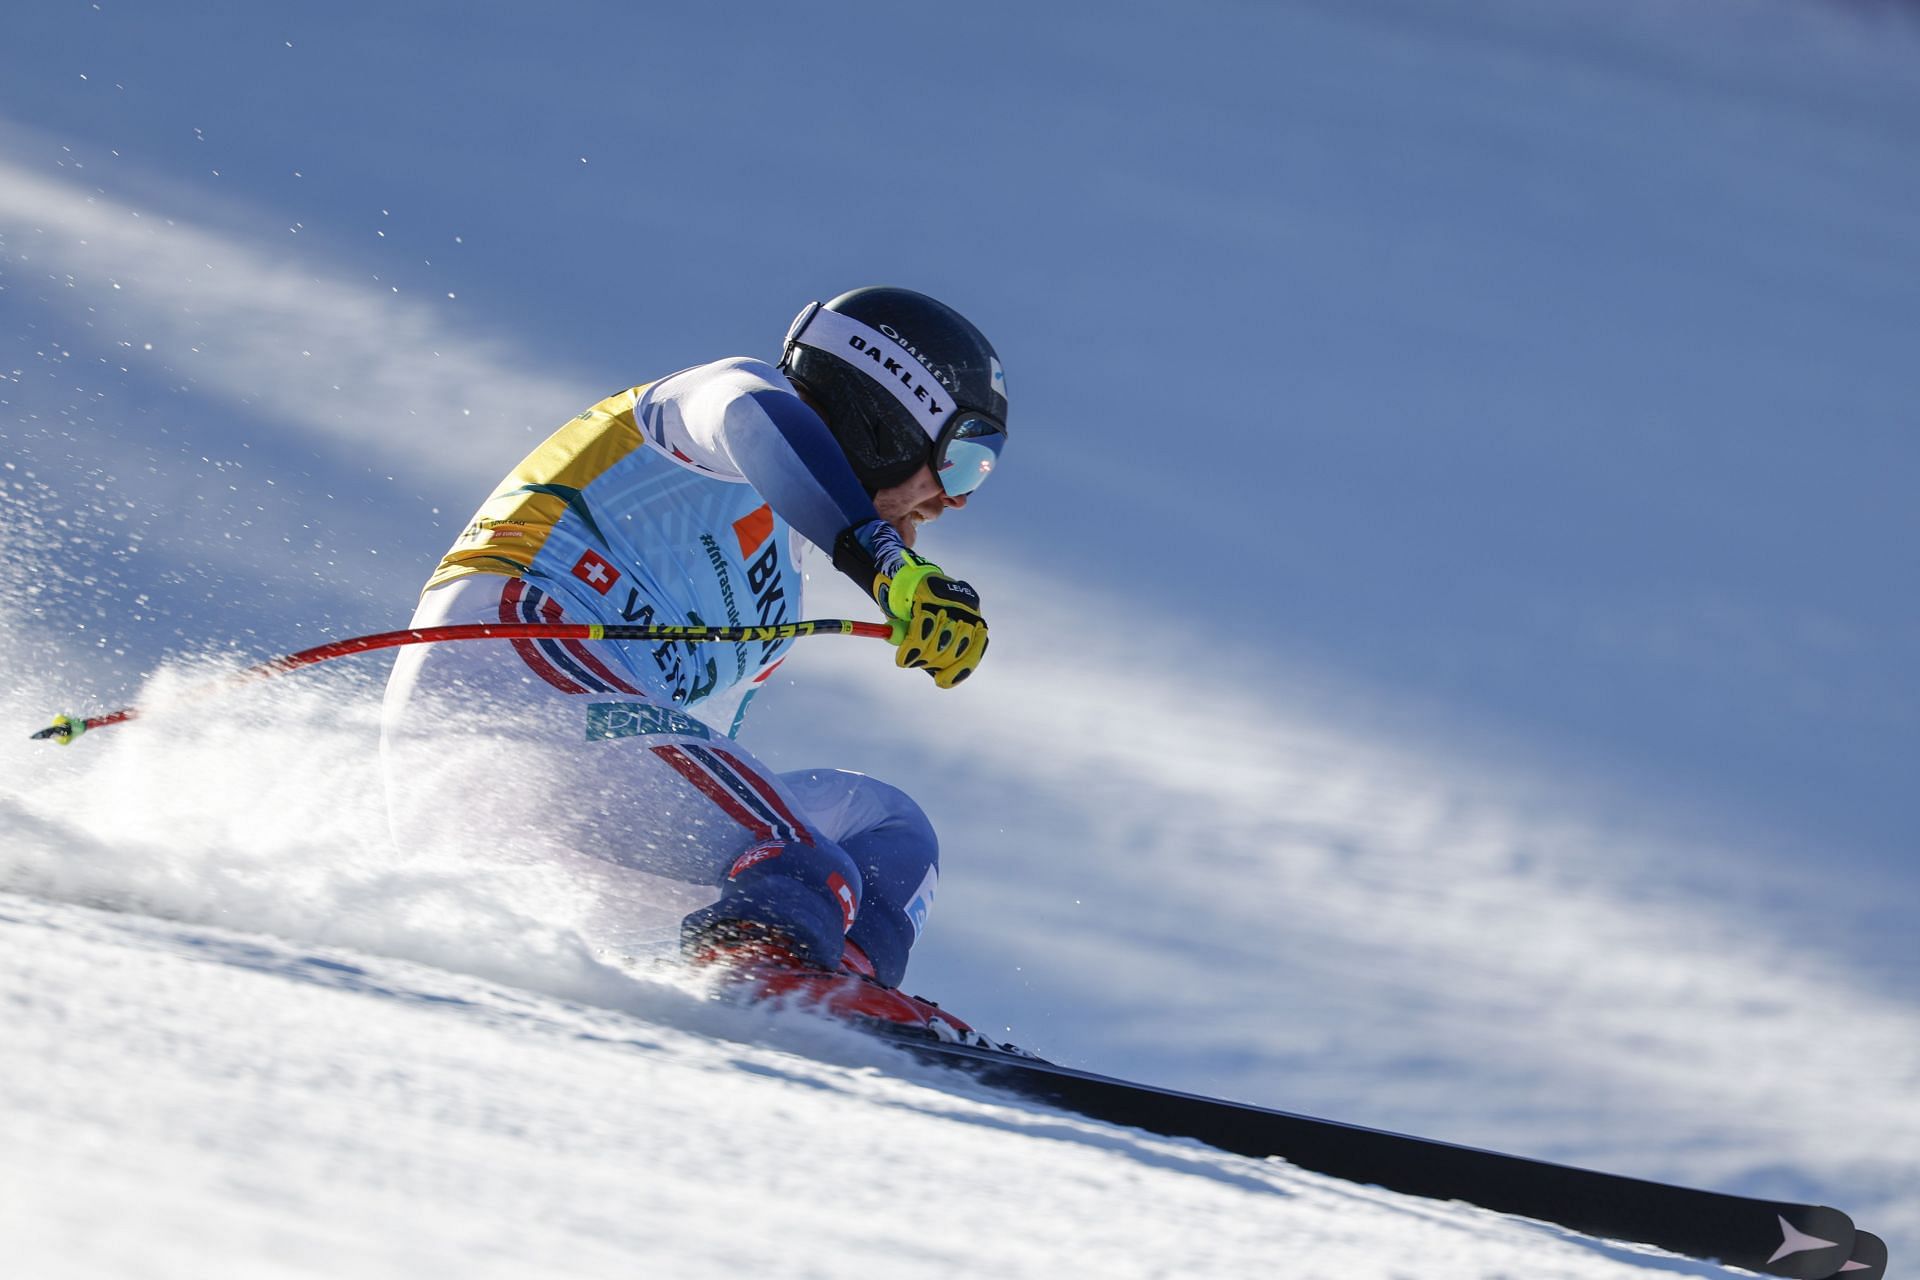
901, 379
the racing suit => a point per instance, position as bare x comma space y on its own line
682, 501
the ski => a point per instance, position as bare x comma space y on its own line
1810, 1242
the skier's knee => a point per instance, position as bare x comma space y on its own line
850, 805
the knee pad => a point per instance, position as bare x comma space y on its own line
900, 883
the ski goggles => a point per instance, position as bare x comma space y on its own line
965, 451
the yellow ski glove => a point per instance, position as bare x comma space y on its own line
937, 618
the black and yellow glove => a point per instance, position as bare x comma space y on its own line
937, 619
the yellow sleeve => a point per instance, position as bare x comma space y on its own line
512, 526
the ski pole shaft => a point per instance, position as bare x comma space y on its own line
65, 729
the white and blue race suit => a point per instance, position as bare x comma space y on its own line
683, 501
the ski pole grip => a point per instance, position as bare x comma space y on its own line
63, 730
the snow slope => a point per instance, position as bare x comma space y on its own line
236, 1102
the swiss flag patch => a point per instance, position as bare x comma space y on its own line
593, 569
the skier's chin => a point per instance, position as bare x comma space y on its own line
908, 527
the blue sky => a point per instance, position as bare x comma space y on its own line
1486, 429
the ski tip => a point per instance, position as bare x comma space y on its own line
63, 730
1869, 1260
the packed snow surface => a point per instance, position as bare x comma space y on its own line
300, 1111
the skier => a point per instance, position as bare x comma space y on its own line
686, 501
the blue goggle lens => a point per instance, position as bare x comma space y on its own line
967, 454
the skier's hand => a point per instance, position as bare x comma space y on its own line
942, 632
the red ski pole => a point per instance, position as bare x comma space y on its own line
65, 729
